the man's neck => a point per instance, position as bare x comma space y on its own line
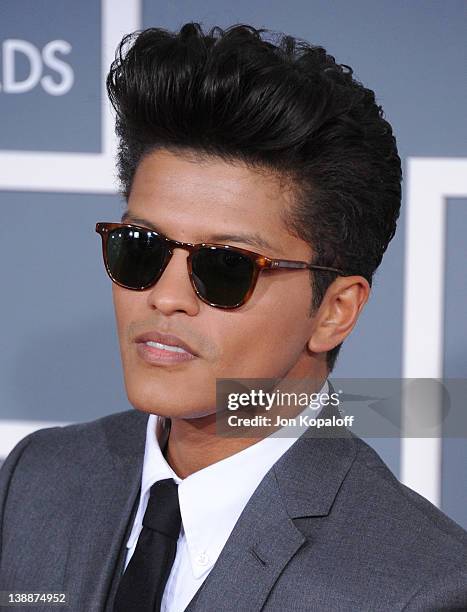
195, 443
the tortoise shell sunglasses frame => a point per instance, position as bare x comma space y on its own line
260, 262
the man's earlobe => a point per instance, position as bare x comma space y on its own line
339, 312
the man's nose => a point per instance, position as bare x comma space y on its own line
174, 291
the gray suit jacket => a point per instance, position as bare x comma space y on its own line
329, 528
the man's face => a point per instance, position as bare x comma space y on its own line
194, 201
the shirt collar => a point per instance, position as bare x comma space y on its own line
215, 495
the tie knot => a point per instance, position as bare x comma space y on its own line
163, 509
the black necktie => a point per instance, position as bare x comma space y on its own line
143, 582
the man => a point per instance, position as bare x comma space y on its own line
274, 153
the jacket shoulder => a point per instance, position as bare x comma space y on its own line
403, 545
73, 446
398, 499
60, 479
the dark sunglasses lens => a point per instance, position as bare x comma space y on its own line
135, 257
222, 276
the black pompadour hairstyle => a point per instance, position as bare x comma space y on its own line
276, 103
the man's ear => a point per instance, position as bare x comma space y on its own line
338, 312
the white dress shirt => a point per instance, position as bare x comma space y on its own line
211, 501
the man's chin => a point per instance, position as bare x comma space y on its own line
178, 413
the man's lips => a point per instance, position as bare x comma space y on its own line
167, 339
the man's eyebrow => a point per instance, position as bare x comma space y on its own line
127, 217
252, 239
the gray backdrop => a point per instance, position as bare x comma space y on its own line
60, 360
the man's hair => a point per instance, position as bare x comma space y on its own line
275, 103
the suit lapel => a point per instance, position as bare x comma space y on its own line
262, 542
102, 518
303, 483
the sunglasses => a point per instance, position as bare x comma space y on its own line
222, 276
